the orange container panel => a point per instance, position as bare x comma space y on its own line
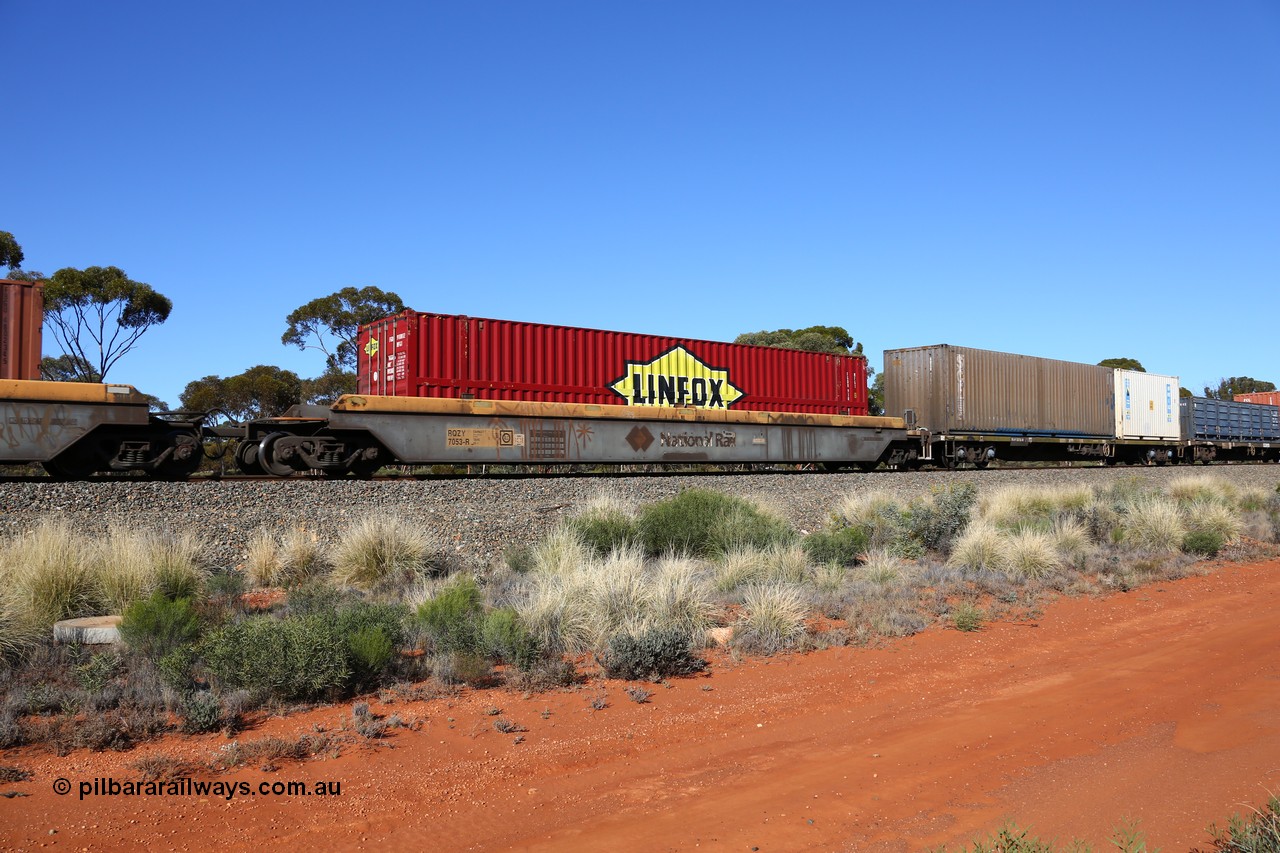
21, 319
1266, 398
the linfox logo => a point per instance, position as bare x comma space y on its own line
676, 378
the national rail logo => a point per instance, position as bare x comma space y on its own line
677, 377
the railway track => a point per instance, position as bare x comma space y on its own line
556, 472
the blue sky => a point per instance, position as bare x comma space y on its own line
1076, 180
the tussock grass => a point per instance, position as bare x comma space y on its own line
787, 563
381, 552
562, 552
1031, 554
680, 597
771, 619
125, 573
52, 571
1153, 525
287, 559
1197, 488
1021, 506
19, 632
583, 605
1212, 516
829, 577
176, 563
739, 567
881, 566
982, 548
1072, 541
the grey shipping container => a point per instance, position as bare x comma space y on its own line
963, 390
1207, 419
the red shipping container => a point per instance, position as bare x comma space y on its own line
21, 319
1266, 398
442, 355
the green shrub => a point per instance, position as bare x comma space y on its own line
705, 523
967, 617
317, 597
656, 653
369, 650
174, 669
157, 625
462, 668
1204, 543
504, 636
201, 712
603, 526
1258, 833
95, 673
937, 520
295, 658
451, 619
226, 586
840, 545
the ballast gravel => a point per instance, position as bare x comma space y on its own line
482, 518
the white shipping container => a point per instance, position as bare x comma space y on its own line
1146, 405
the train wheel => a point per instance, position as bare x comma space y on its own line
247, 458
67, 467
270, 458
183, 461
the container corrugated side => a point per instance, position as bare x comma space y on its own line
1207, 419
955, 389
441, 355
1146, 405
21, 319
1266, 398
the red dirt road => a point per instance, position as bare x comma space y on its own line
1161, 705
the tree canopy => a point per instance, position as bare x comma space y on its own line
332, 323
98, 314
328, 387
10, 251
833, 339
1123, 364
67, 368
1228, 388
261, 391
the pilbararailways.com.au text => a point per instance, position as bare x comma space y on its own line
108, 787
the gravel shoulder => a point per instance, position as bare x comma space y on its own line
481, 518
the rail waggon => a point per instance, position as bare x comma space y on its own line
444, 389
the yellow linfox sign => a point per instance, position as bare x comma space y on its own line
676, 378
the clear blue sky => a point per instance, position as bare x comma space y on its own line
1077, 180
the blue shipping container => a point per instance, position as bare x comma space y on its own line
1223, 420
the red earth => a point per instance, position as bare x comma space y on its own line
1160, 705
